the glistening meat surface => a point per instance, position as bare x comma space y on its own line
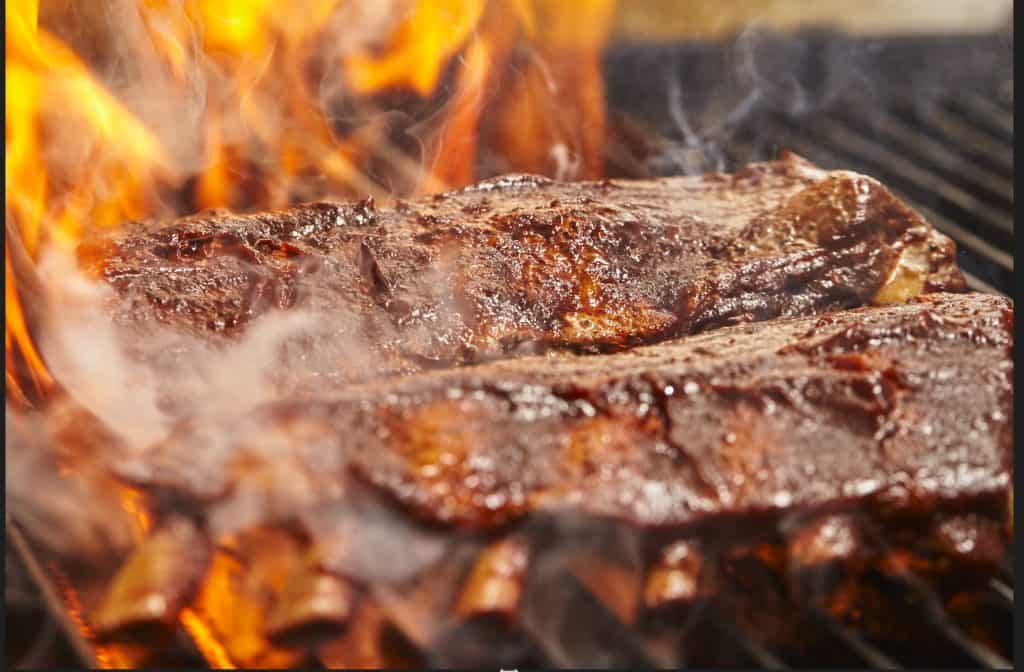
521, 264
747, 465
901, 408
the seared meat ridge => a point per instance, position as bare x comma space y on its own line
522, 264
912, 402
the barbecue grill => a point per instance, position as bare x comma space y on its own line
941, 141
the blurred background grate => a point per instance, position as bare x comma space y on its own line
931, 118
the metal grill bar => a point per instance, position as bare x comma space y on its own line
54, 604
939, 155
911, 177
986, 113
1002, 590
979, 285
764, 658
979, 146
867, 652
43, 643
582, 640
935, 613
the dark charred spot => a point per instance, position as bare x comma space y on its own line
371, 272
265, 246
427, 220
478, 207
324, 207
194, 246
234, 245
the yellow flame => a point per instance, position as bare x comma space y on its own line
79, 158
133, 503
48, 88
26, 183
419, 48
456, 148
16, 331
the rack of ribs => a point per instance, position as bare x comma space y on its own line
519, 265
821, 451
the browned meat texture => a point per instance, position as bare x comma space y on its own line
896, 409
522, 264
811, 466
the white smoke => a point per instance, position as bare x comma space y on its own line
129, 393
761, 70
79, 517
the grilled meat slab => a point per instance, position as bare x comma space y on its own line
805, 462
909, 405
521, 264
710, 450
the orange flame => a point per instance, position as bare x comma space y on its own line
87, 151
74, 155
418, 49
84, 153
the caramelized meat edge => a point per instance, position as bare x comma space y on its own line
521, 264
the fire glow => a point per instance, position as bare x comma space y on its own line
148, 109
196, 104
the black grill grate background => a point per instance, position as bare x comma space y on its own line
931, 117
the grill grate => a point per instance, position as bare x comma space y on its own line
930, 118
846, 645
978, 653
976, 215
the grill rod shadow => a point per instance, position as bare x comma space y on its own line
985, 114
986, 149
979, 285
941, 156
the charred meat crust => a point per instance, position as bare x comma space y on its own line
521, 264
808, 463
896, 409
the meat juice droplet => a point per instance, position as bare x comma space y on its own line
783, 498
